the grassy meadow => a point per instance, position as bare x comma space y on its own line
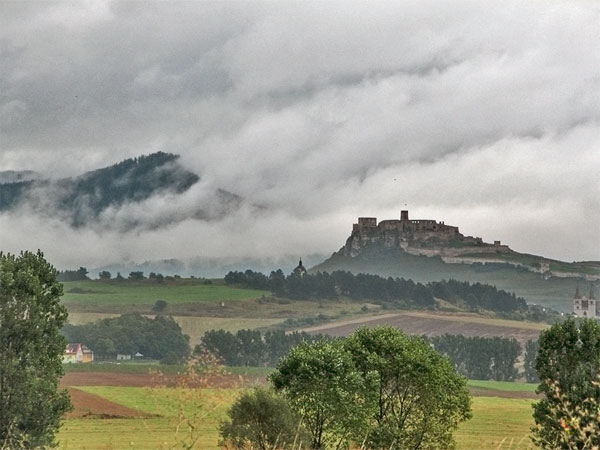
497, 423
107, 293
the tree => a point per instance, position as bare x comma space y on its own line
531, 349
420, 398
322, 386
160, 305
104, 275
568, 364
31, 350
136, 276
260, 419
73, 275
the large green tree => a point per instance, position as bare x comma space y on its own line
420, 398
322, 385
31, 349
568, 366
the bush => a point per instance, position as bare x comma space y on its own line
160, 305
260, 419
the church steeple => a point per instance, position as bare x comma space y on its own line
300, 270
577, 293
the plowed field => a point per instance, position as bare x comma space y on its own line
152, 380
436, 324
91, 406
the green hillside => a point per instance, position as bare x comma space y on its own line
554, 292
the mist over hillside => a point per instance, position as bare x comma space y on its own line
209, 267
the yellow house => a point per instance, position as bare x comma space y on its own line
77, 353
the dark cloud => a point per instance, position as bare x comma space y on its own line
481, 114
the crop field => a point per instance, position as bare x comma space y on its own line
435, 324
497, 424
142, 417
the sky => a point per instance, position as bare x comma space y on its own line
484, 115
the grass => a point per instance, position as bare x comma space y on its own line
207, 406
503, 385
146, 292
497, 423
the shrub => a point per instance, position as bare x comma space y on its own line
260, 419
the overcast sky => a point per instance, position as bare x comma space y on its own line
485, 115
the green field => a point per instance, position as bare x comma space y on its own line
497, 423
147, 292
204, 408
509, 386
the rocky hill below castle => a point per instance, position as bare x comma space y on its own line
428, 250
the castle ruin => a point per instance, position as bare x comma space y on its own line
419, 237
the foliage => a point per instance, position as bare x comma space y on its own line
131, 333
481, 358
31, 350
531, 350
261, 419
136, 276
73, 275
396, 292
420, 399
580, 423
104, 275
160, 305
379, 387
322, 385
251, 347
567, 364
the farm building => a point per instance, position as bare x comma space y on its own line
78, 353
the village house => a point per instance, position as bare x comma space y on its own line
77, 353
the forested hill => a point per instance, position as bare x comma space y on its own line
85, 197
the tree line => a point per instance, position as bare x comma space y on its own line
159, 338
480, 358
251, 347
81, 274
396, 292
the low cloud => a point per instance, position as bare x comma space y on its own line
483, 115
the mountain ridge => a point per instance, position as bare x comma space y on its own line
83, 198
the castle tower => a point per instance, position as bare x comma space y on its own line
404, 214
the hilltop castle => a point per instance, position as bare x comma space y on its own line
418, 237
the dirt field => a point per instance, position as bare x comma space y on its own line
151, 380
91, 406
435, 324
